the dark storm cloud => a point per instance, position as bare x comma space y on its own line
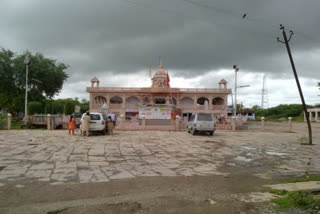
193, 37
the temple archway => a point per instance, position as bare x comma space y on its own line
160, 100
133, 100
100, 100
218, 101
186, 101
202, 100
116, 100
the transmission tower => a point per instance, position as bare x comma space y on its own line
264, 94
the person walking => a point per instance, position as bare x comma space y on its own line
110, 126
71, 125
85, 125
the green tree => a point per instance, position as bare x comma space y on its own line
46, 78
35, 107
84, 105
69, 107
281, 111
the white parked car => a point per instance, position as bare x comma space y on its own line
201, 122
97, 122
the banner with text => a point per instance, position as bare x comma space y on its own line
155, 113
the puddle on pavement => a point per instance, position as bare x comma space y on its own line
276, 153
244, 159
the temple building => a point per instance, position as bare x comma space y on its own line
159, 101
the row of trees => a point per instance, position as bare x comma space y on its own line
59, 106
46, 78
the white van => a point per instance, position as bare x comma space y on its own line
97, 122
201, 122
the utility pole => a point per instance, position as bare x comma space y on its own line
236, 69
26, 62
286, 42
264, 95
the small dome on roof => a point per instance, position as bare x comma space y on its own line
223, 81
95, 79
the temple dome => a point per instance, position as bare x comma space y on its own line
159, 79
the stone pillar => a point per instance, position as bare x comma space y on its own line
90, 102
49, 121
53, 123
304, 116
262, 123
316, 116
122, 126
310, 116
234, 123
124, 101
290, 123
177, 122
143, 122
9, 120
195, 105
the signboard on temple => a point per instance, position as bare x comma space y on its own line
155, 113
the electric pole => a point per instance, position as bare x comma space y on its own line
286, 42
236, 69
264, 95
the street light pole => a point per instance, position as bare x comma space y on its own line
26, 62
236, 69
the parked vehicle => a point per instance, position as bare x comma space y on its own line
97, 122
202, 122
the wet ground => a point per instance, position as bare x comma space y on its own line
151, 171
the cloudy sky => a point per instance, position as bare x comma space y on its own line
198, 40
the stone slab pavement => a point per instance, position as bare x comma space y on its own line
58, 158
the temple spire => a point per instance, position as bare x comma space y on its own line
160, 62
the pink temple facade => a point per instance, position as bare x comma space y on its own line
126, 102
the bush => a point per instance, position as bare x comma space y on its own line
35, 108
300, 200
3, 120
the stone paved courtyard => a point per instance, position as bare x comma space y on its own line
57, 158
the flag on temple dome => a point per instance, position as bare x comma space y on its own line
168, 80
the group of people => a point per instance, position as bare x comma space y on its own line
85, 125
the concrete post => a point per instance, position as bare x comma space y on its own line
304, 116
316, 116
290, 123
49, 121
177, 123
234, 123
53, 123
262, 123
121, 121
143, 122
9, 120
310, 116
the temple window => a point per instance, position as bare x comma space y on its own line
217, 101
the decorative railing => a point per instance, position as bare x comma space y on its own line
167, 90
218, 107
113, 106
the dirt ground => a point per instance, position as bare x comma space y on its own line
152, 171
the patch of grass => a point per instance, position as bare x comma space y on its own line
304, 179
298, 119
300, 200
278, 192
